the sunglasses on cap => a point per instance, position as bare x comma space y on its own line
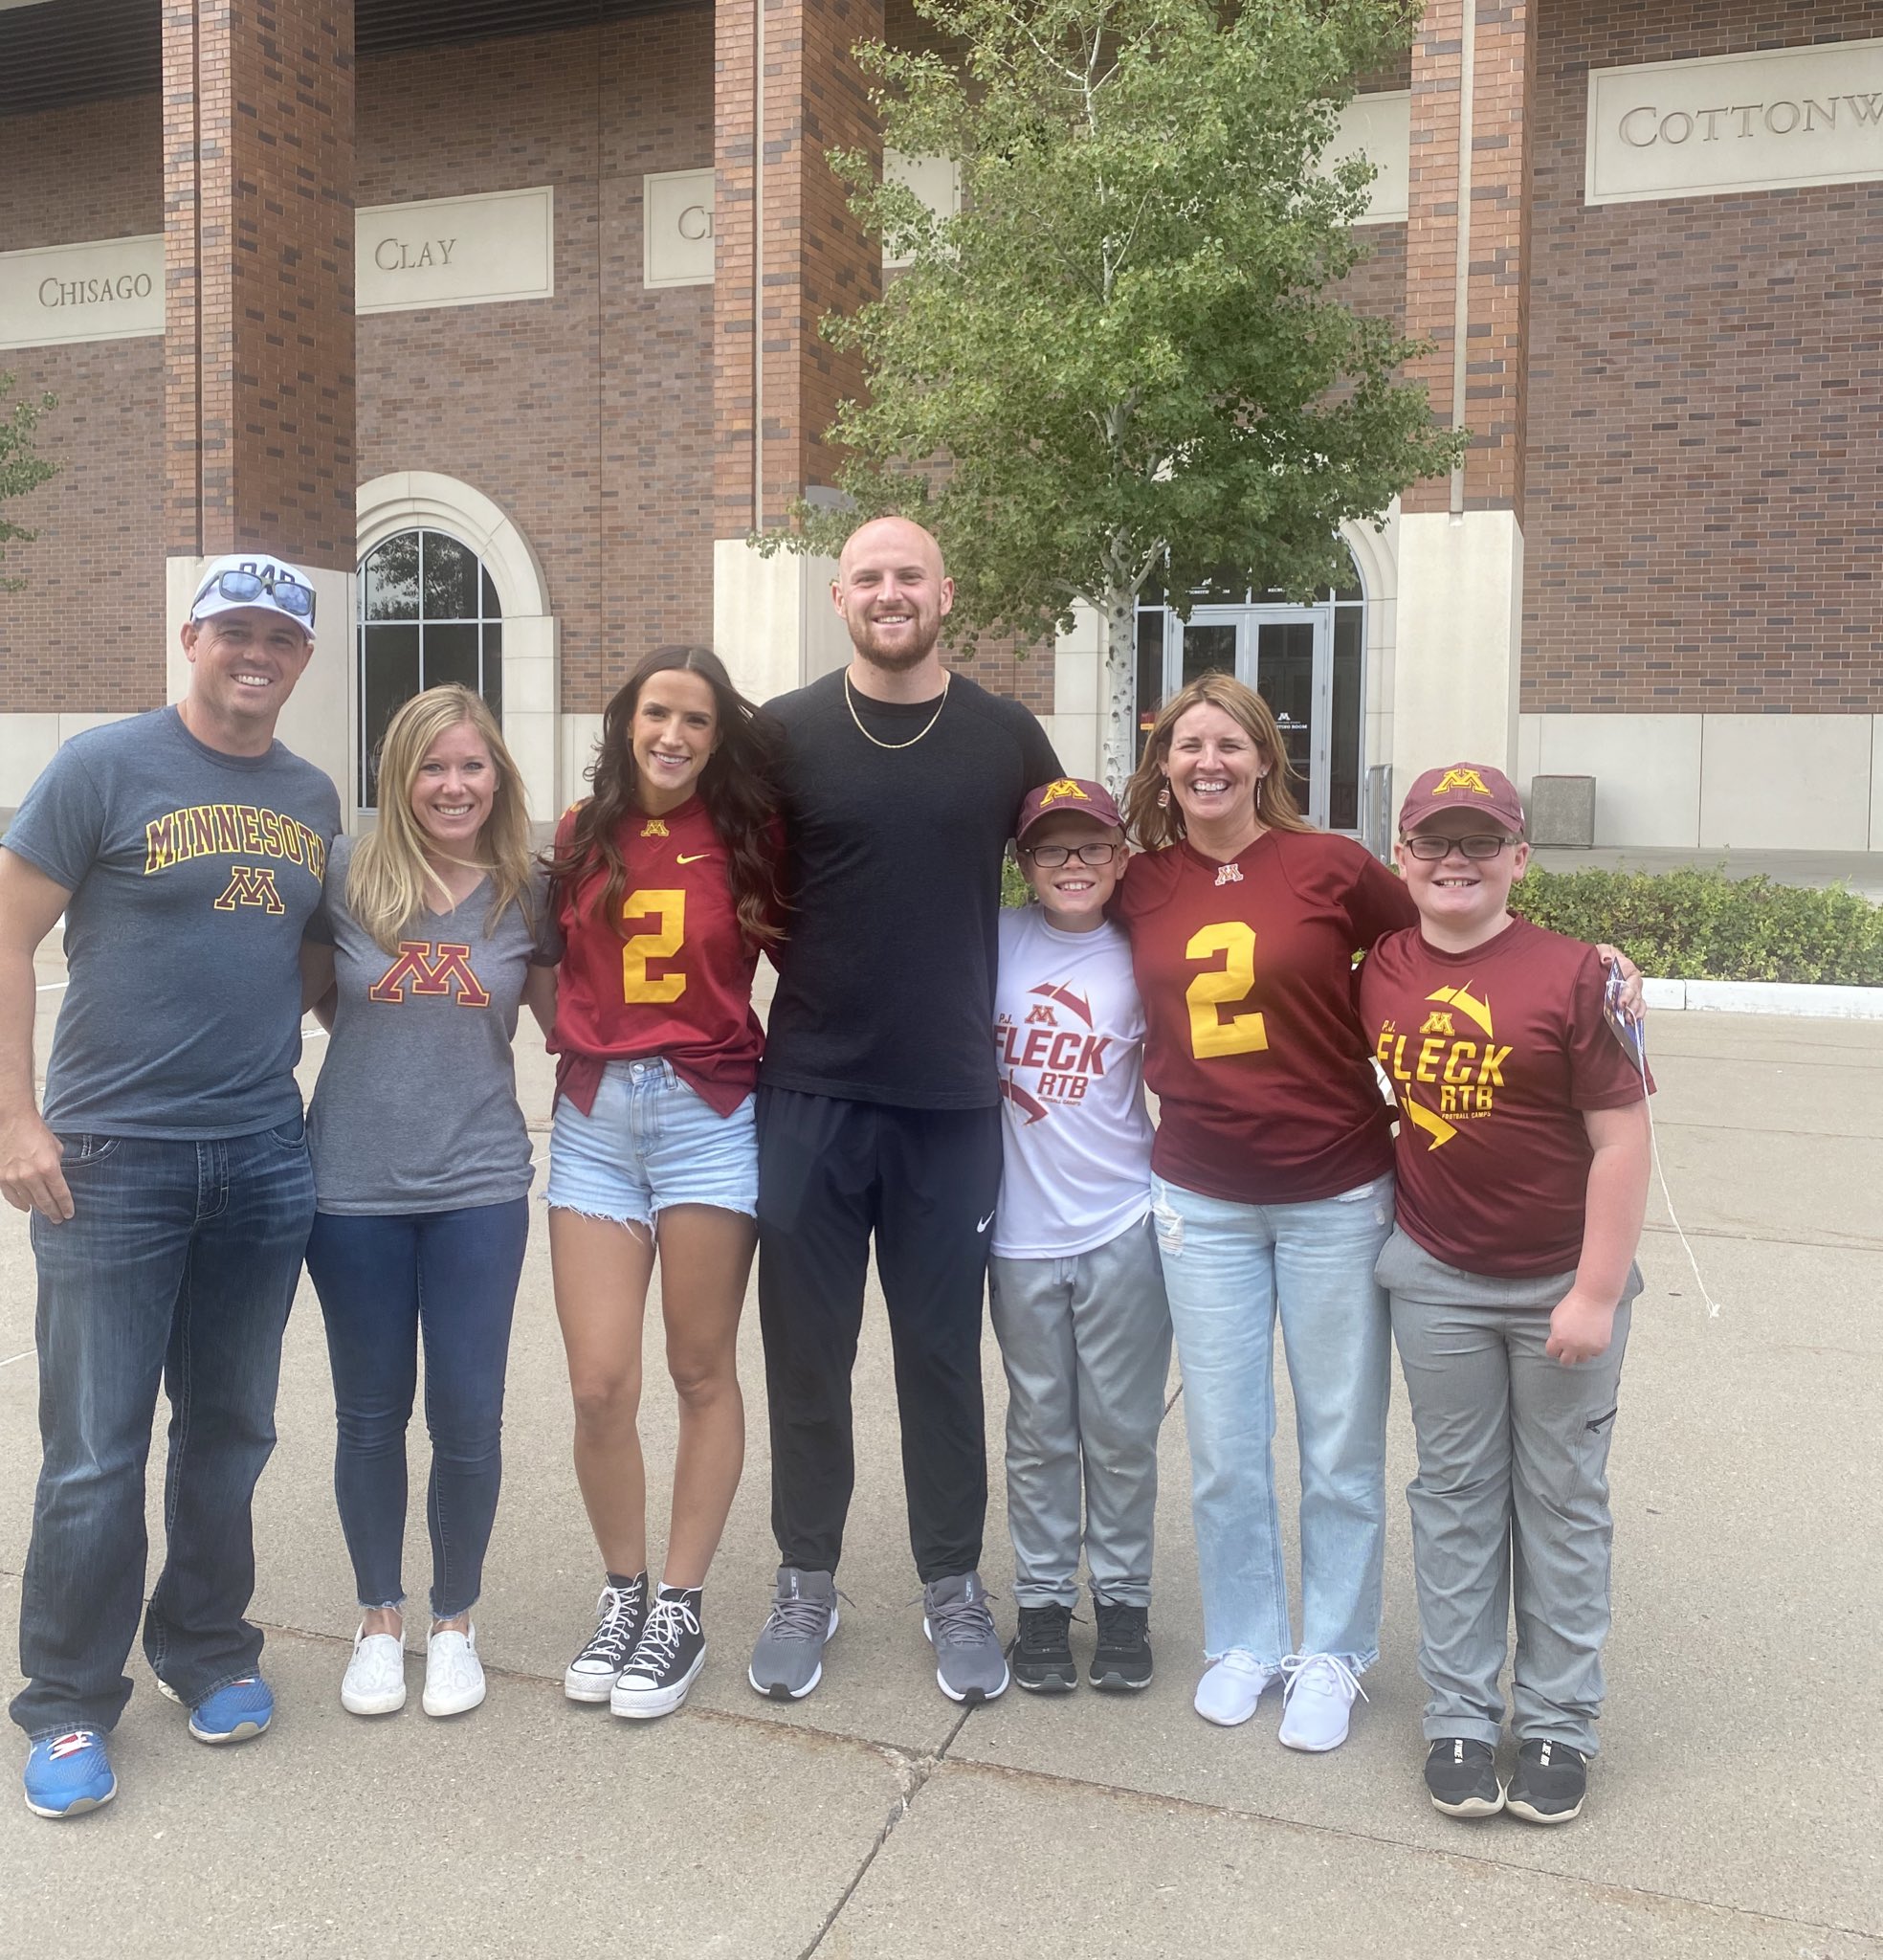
244, 588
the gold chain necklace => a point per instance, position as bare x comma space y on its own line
851, 704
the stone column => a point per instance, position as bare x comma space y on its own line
787, 253
259, 172
1461, 540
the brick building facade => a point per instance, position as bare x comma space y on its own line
1658, 313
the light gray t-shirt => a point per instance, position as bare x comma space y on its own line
192, 874
416, 1106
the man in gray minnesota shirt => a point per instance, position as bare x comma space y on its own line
169, 1176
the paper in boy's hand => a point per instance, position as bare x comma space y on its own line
1625, 1028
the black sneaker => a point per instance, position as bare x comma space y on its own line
1122, 1665
1042, 1651
1462, 1778
670, 1653
592, 1676
1550, 1783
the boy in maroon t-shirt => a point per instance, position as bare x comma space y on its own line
1522, 1160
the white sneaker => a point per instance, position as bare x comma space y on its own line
1228, 1691
454, 1675
1320, 1691
375, 1678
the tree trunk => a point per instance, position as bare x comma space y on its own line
1119, 749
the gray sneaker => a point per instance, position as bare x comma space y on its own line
968, 1661
788, 1660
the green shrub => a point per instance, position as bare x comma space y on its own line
1702, 925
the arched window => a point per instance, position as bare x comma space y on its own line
429, 615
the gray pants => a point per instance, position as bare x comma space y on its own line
1512, 1497
1086, 1341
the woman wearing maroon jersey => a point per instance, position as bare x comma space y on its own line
665, 890
1272, 1190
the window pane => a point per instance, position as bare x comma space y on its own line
451, 653
1343, 777
492, 610
1150, 668
494, 669
392, 579
1349, 587
1285, 665
1208, 647
389, 675
451, 578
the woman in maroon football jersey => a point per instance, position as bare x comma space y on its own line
665, 890
1272, 1190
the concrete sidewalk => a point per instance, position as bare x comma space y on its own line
1734, 1811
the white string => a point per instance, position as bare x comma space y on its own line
1638, 1048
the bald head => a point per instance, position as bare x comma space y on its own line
892, 593
895, 538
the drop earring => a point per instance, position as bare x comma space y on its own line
1164, 795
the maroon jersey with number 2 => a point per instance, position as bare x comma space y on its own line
1253, 1046
1495, 1055
679, 984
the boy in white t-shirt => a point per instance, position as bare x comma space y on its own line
1076, 1290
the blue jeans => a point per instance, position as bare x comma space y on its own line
178, 1263
382, 1281
1227, 1270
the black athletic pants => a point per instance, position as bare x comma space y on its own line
924, 1182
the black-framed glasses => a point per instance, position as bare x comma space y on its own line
1435, 850
245, 588
1051, 856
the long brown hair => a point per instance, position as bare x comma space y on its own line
738, 785
390, 879
1153, 823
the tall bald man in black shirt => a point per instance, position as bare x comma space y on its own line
878, 1102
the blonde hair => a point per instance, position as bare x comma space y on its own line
391, 880
1154, 820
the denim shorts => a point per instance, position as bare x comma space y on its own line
650, 1141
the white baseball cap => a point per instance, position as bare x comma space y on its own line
252, 578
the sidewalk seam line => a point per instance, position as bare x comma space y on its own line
1200, 1806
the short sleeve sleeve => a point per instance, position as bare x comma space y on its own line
59, 828
1041, 758
319, 926
1378, 903
1601, 1072
545, 917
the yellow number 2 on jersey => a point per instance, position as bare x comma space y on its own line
1211, 1035
670, 908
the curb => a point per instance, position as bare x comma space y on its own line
1763, 998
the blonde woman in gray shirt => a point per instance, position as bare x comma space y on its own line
422, 1170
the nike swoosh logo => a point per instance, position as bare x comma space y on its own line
986, 1222
694, 860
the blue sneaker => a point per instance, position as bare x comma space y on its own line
235, 1712
67, 1774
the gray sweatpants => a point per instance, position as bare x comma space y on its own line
1086, 1343
1512, 1497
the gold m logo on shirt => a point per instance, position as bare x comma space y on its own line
433, 972
250, 884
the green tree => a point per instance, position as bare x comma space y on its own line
20, 469
1124, 361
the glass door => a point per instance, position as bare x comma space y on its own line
1284, 652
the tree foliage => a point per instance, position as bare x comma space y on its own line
20, 469
1122, 361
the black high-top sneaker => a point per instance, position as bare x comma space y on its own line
670, 1653
592, 1674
